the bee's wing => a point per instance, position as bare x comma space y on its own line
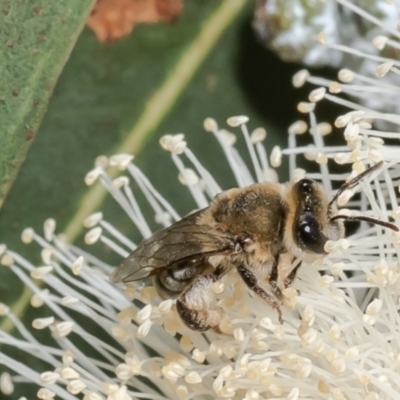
185, 240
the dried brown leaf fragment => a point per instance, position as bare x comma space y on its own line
112, 19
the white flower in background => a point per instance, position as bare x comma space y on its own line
291, 28
340, 336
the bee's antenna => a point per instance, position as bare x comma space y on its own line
354, 182
351, 184
367, 219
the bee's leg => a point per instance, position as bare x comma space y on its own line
291, 277
192, 305
251, 281
273, 278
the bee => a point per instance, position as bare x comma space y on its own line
243, 229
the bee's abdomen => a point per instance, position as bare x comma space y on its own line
171, 282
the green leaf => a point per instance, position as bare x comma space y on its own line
164, 98
36, 41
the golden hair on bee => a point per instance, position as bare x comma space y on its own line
243, 229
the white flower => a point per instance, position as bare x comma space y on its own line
339, 339
290, 28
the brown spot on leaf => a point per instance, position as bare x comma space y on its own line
112, 19
29, 136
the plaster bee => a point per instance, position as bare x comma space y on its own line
246, 230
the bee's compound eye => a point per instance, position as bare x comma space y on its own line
305, 185
311, 237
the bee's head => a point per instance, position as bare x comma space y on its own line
313, 224
316, 219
